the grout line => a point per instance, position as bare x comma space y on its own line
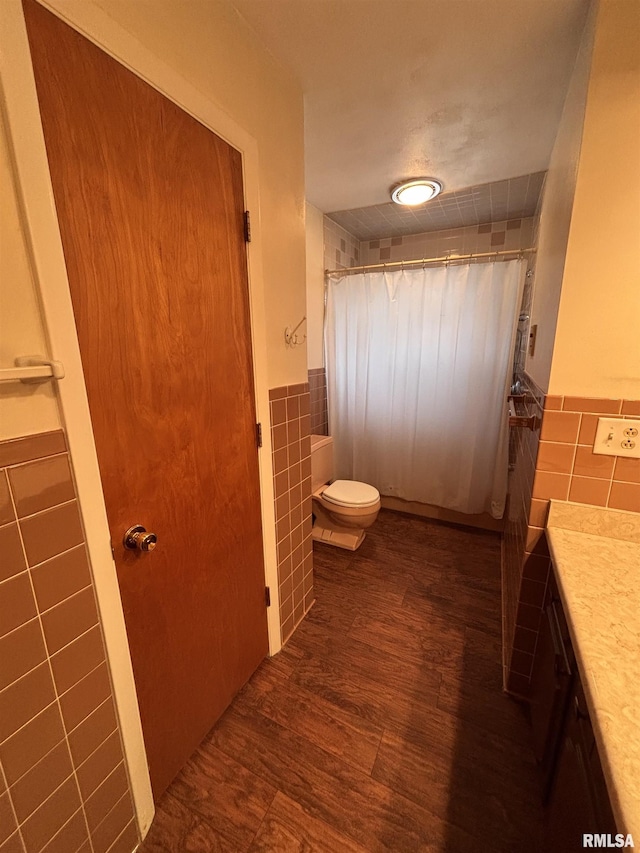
68, 822
84, 677
42, 802
42, 511
64, 600
53, 682
55, 746
25, 674
599, 479
91, 754
24, 725
13, 809
114, 806
107, 777
55, 556
28, 568
66, 646
133, 820
12, 631
34, 461
609, 491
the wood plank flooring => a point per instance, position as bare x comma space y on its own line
381, 726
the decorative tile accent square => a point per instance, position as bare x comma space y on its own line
341, 249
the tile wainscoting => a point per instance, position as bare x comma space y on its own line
63, 782
318, 401
291, 443
555, 461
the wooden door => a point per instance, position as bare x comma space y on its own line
150, 205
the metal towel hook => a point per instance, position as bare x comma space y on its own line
290, 336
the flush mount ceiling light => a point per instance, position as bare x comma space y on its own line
416, 192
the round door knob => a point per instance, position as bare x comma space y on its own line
137, 539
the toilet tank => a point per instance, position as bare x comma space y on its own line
321, 460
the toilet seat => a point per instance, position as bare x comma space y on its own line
351, 493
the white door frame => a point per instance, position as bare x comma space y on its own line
41, 224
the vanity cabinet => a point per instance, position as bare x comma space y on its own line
551, 682
577, 800
574, 787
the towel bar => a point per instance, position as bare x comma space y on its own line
32, 368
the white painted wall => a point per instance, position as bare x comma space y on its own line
556, 210
597, 348
24, 409
315, 286
587, 288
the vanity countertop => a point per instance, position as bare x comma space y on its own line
596, 554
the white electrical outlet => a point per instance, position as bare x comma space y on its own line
618, 437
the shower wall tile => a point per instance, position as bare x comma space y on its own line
520, 626
51, 649
291, 446
493, 236
341, 249
521, 616
531, 234
318, 401
554, 461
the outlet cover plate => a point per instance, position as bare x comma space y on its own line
618, 437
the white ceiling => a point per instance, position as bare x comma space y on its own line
467, 91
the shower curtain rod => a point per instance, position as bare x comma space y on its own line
424, 261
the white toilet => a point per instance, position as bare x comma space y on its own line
342, 509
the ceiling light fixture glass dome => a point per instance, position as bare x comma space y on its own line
416, 192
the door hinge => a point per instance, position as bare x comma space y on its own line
259, 435
267, 596
247, 226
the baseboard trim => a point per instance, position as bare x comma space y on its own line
482, 521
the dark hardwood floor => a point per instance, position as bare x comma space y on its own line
381, 725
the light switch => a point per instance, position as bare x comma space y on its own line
618, 437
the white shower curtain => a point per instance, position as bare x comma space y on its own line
419, 366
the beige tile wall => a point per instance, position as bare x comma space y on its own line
494, 236
63, 782
568, 469
524, 324
341, 249
318, 401
520, 574
554, 461
291, 443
